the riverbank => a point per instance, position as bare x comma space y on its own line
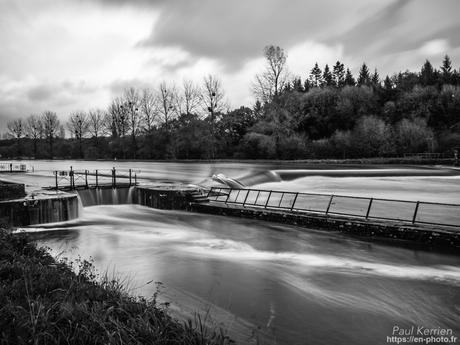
44, 301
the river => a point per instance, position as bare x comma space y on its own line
266, 282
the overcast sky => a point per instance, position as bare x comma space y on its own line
66, 55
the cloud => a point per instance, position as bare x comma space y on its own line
235, 32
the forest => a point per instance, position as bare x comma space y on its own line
327, 113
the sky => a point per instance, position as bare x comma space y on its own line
69, 55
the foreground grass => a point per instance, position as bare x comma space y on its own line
43, 301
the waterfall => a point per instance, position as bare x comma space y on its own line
107, 196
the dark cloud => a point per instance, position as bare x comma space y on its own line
235, 31
402, 26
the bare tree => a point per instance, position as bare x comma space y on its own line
34, 130
17, 131
79, 127
269, 83
148, 109
214, 103
117, 121
51, 126
190, 98
167, 99
96, 123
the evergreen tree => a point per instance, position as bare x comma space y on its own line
316, 76
375, 79
339, 74
446, 69
349, 79
364, 77
297, 85
327, 77
307, 85
427, 74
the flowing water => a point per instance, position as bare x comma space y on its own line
263, 281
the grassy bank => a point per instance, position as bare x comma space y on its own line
43, 301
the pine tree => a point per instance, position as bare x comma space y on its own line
364, 76
375, 79
339, 74
307, 85
327, 77
316, 76
349, 80
297, 85
427, 74
446, 70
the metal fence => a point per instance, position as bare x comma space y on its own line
366, 208
12, 167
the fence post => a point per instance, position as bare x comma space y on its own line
293, 202
228, 195
130, 177
329, 205
72, 184
257, 197
114, 180
281, 200
369, 208
97, 180
246, 198
415, 212
86, 178
11, 167
56, 180
135, 179
268, 199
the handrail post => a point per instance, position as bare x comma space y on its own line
209, 192
135, 179
228, 195
130, 177
281, 200
72, 182
97, 180
86, 178
257, 197
293, 202
237, 195
56, 179
268, 199
415, 212
369, 208
11, 167
114, 181
246, 198
330, 203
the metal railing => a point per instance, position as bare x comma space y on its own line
72, 179
13, 167
415, 212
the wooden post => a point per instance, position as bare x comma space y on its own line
369, 207
97, 180
11, 167
329, 205
415, 212
114, 181
56, 179
130, 177
86, 178
293, 202
135, 179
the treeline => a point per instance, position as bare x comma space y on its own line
328, 114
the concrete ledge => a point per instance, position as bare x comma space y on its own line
442, 238
9, 190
